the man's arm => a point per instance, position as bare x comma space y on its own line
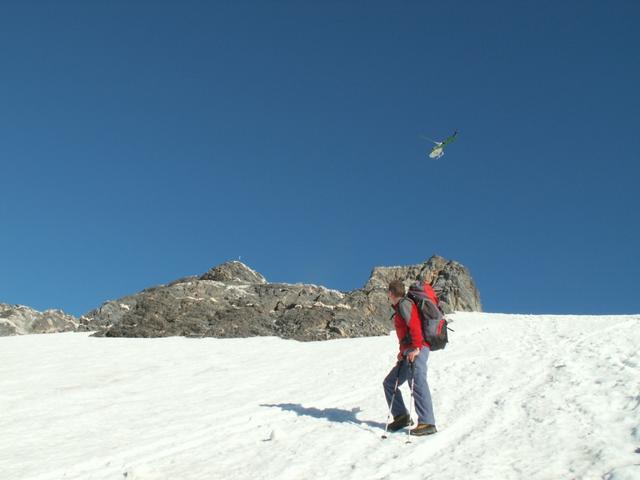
406, 309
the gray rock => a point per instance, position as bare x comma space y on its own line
451, 281
233, 272
232, 300
21, 320
111, 312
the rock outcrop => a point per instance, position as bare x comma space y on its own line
232, 300
21, 320
234, 273
451, 280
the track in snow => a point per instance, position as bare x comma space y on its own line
515, 396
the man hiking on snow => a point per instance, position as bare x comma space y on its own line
411, 366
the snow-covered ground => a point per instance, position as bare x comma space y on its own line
516, 396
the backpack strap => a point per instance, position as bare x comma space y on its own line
402, 308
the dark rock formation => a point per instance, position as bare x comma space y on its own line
235, 273
231, 300
21, 320
452, 281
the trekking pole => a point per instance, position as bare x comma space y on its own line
393, 397
413, 381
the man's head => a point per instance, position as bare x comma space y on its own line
396, 291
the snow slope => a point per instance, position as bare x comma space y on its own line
516, 396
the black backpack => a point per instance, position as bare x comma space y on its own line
434, 325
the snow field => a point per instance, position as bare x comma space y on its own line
515, 396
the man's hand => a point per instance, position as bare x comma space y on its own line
411, 356
400, 356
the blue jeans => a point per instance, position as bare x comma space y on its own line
403, 372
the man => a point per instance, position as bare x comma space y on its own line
411, 366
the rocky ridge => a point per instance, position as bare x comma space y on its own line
232, 300
22, 320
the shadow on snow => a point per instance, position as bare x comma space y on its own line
338, 415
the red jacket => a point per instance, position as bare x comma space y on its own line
408, 325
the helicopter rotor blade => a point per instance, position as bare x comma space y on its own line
431, 140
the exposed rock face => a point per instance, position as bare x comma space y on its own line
232, 300
235, 273
211, 308
452, 282
21, 320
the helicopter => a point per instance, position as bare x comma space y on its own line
438, 150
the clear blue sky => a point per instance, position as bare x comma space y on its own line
145, 141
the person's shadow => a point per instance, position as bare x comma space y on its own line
332, 414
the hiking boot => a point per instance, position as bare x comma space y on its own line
423, 429
399, 422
